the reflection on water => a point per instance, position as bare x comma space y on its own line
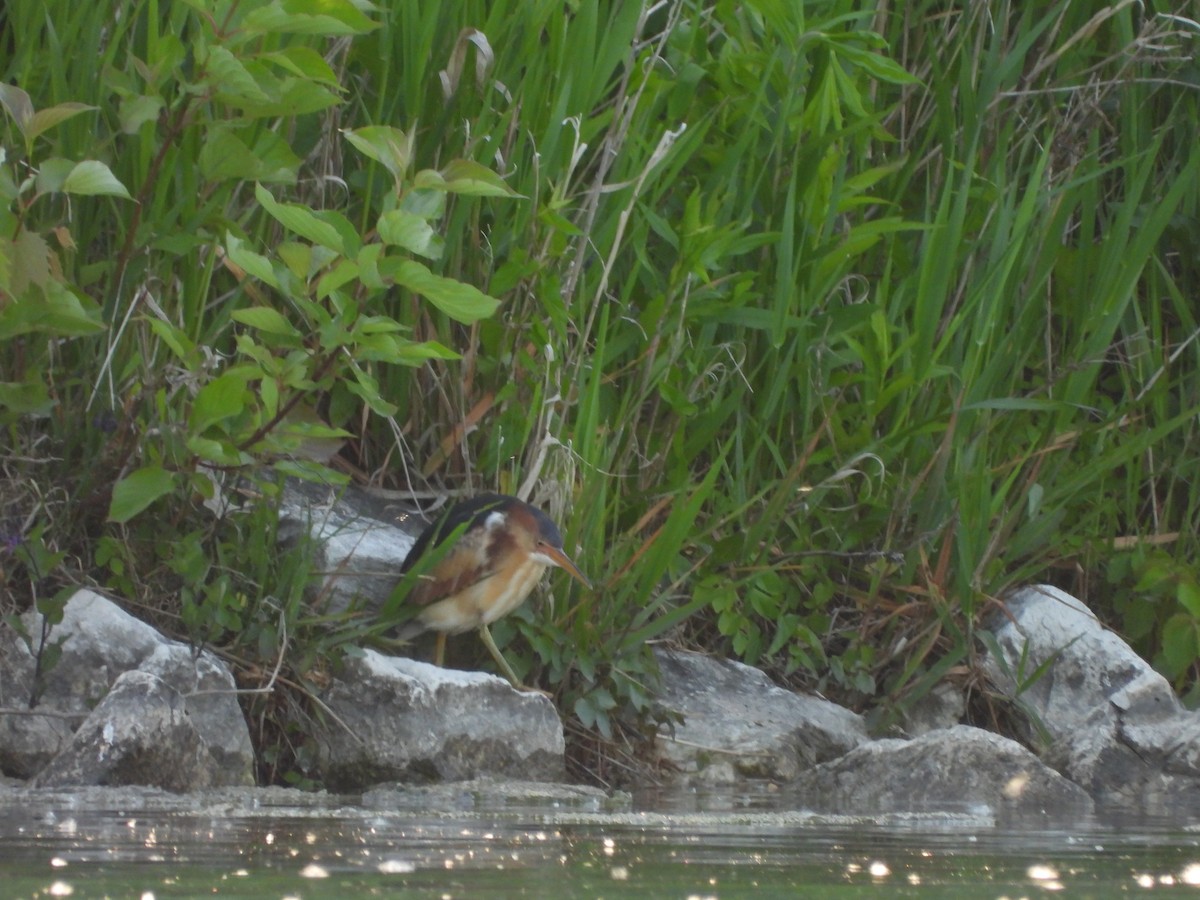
329, 850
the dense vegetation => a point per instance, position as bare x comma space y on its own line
817, 327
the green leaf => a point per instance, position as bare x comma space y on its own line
295, 97
253, 263
366, 388
18, 105
134, 112
878, 67
341, 274
226, 156
174, 338
460, 301
222, 398
220, 452
28, 257
426, 204
91, 177
136, 491
368, 266
1188, 595
52, 174
45, 119
301, 220
389, 146
26, 397
412, 232
267, 319
1179, 644
328, 18
304, 62
465, 176
232, 79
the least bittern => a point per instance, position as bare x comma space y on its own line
484, 556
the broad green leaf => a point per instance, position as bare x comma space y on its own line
26, 397
224, 156
464, 176
301, 220
378, 325
222, 398
389, 146
298, 257
174, 338
137, 490
328, 18
368, 266
351, 242
305, 62
412, 232
366, 389
134, 112
52, 174
232, 79
1180, 647
1188, 594
294, 97
460, 301
92, 177
277, 162
426, 204
28, 257
54, 311
45, 119
417, 353
18, 105
267, 319
253, 263
221, 452
340, 275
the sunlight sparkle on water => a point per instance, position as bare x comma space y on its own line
396, 867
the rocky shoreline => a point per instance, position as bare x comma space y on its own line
125, 706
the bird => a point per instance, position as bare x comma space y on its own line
477, 562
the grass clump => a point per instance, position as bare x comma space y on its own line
816, 327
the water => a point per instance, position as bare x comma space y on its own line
153, 845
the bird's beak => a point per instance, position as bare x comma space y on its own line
563, 561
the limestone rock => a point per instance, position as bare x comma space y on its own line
1115, 726
942, 707
959, 769
361, 541
402, 720
140, 734
737, 724
99, 643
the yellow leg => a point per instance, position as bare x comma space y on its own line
486, 636
439, 648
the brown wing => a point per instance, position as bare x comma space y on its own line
466, 563
458, 548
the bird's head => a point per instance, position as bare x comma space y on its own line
531, 531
